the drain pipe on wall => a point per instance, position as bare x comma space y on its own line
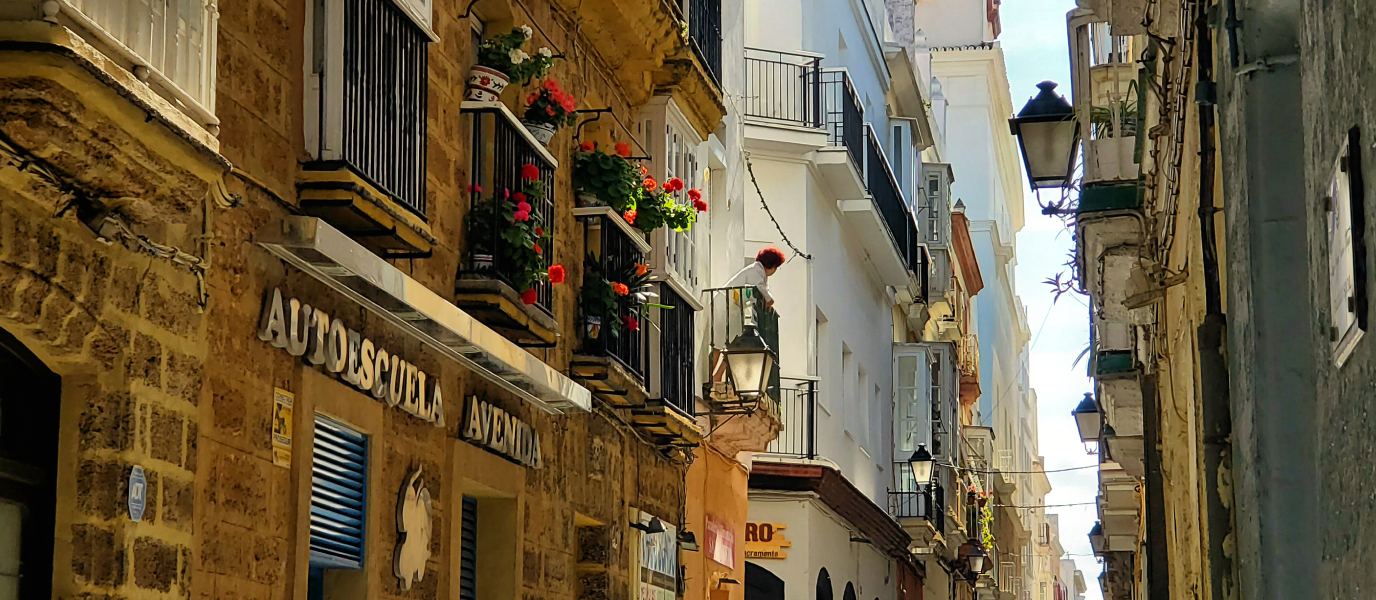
1216, 415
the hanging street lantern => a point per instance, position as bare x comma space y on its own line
922, 462
1087, 419
976, 559
750, 361
1048, 135
1096, 538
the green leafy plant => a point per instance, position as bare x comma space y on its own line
622, 300
1101, 117
503, 53
657, 206
550, 105
611, 178
503, 227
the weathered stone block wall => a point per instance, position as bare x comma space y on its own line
1336, 64
124, 333
247, 519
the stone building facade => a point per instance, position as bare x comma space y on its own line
140, 197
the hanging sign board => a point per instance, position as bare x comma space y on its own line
658, 563
327, 343
501, 432
282, 402
765, 540
138, 493
720, 540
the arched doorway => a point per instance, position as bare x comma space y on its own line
850, 592
761, 584
29, 402
824, 585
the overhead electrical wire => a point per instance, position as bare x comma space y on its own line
749, 167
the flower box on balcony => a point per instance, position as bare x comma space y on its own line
506, 160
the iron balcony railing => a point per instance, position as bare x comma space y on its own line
783, 87
614, 256
923, 504
676, 349
500, 150
729, 312
383, 112
798, 413
888, 198
843, 116
704, 31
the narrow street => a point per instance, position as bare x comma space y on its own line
684, 299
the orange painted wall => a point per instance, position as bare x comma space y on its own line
717, 485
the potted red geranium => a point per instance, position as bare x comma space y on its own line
547, 109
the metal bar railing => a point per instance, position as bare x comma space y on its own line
922, 504
384, 104
616, 256
676, 349
783, 87
843, 115
704, 30
798, 414
888, 198
500, 151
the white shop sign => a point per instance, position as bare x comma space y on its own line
310, 332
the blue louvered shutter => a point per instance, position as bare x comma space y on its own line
339, 468
468, 550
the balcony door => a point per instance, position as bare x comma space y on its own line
912, 402
29, 403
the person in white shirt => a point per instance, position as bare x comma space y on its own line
757, 274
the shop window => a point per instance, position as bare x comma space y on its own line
468, 550
339, 476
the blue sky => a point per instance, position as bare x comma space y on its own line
1034, 45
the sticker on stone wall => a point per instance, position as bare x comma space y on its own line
138, 493
282, 402
413, 531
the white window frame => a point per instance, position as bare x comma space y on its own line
323, 65
102, 20
1345, 327
676, 151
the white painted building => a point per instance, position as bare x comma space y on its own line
834, 120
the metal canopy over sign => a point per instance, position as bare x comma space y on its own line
138, 493
350, 269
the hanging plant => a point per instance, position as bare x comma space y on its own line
657, 206
548, 109
501, 61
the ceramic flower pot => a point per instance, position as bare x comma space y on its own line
592, 328
543, 132
482, 262
485, 84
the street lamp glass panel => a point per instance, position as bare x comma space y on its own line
1048, 135
1096, 538
751, 362
1048, 148
977, 560
921, 463
1087, 419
